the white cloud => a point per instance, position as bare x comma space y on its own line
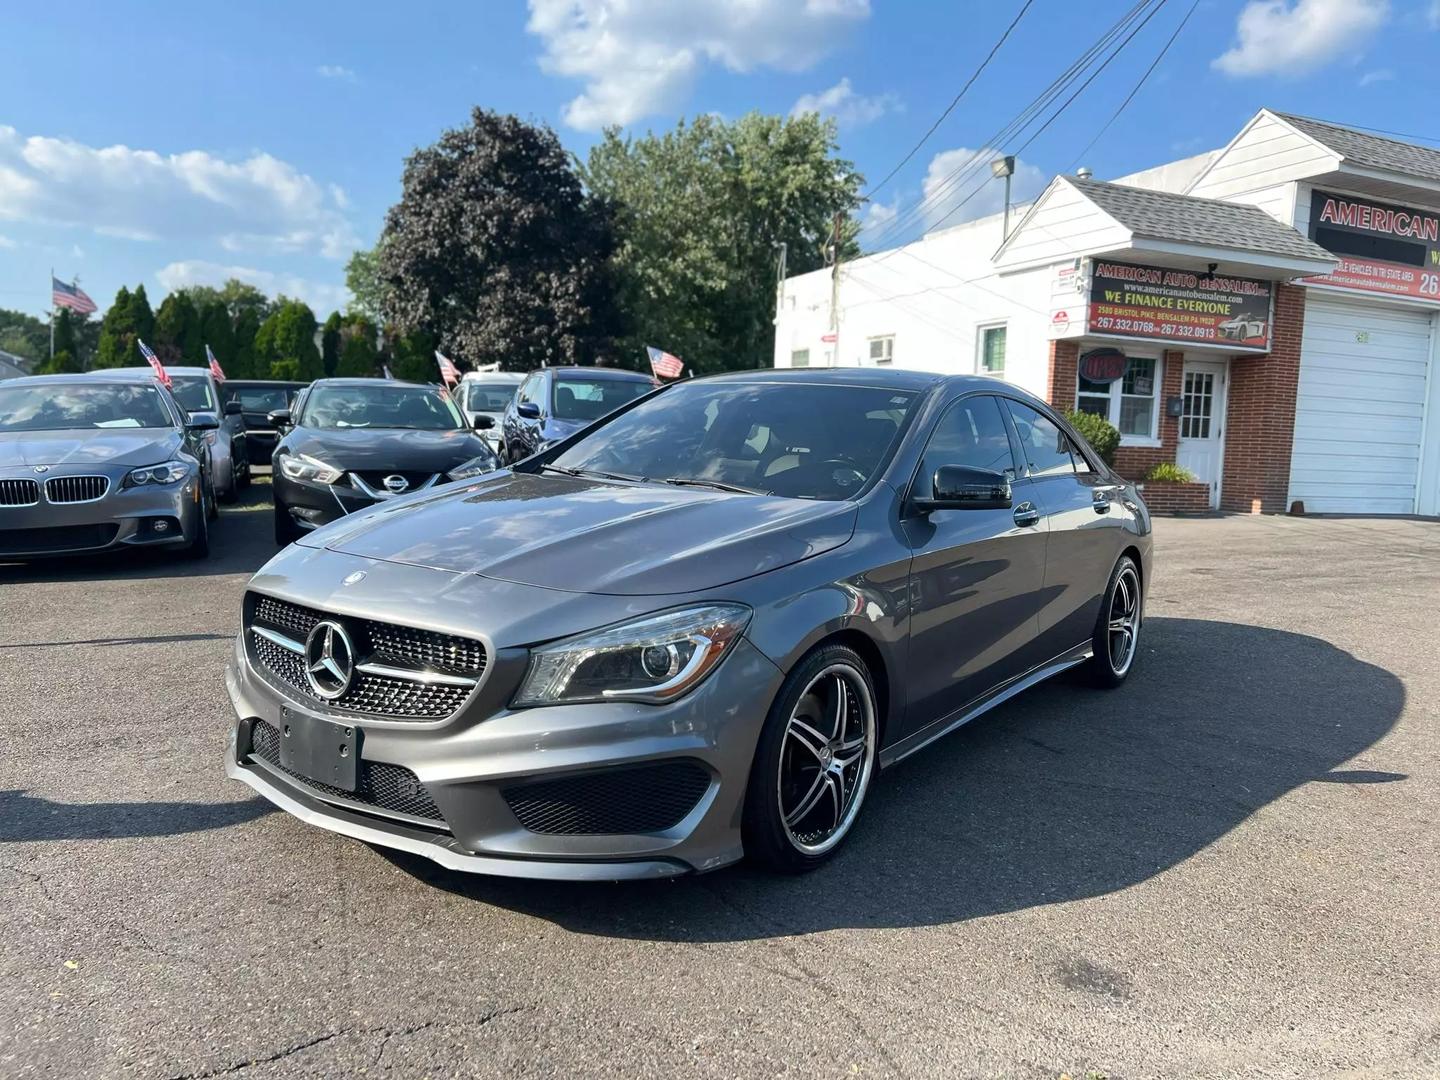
335, 71
639, 57
1433, 15
322, 298
258, 204
879, 214
6, 242
1294, 37
981, 194
846, 106
1370, 78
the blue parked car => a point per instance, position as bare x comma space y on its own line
554, 403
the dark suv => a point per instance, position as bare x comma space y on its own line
258, 398
554, 403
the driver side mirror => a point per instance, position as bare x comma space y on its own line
279, 418
202, 421
528, 409
961, 487
483, 422
233, 408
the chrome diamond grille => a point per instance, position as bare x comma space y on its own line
76, 489
401, 692
19, 492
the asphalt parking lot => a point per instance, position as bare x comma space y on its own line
1228, 868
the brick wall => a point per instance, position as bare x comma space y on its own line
1260, 424
1064, 365
1176, 498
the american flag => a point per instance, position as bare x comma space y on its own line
663, 364
154, 361
215, 368
448, 371
70, 296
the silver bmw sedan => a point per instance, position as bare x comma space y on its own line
100, 461
693, 632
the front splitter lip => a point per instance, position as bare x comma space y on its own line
436, 851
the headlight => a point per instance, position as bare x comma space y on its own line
654, 659
304, 467
474, 467
169, 472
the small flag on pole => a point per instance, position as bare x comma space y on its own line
215, 368
154, 361
70, 296
448, 371
663, 364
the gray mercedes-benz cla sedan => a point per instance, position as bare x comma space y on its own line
99, 461
692, 632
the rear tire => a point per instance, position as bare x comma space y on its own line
286, 531
1116, 642
814, 762
199, 546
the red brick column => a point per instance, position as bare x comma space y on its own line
1064, 374
1260, 420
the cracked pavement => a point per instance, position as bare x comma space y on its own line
1227, 868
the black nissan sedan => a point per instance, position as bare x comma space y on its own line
350, 443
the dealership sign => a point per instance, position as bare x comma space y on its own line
1103, 365
1164, 304
1382, 248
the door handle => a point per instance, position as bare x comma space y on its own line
1026, 515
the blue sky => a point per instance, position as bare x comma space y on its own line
171, 143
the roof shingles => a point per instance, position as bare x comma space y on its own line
1370, 151
1186, 219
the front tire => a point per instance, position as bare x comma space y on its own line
199, 546
814, 762
1117, 628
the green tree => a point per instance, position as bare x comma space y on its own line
238, 297
330, 342
286, 336
218, 331
411, 356
496, 248
24, 335
63, 362
367, 287
127, 319
700, 212
247, 326
178, 339
358, 353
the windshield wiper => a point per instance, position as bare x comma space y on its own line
598, 474
718, 485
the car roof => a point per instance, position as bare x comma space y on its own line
172, 369
505, 376
595, 373
105, 375
371, 381
887, 378
265, 382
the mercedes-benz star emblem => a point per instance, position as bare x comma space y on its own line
329, 660
395, 483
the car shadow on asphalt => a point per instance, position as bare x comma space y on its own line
1061, 794
242, 539
26, 819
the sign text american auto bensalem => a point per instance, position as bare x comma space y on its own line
1180, 279
1396, 221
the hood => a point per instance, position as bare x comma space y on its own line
577, 535
393, 449
89, 446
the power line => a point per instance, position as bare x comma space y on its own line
1136, 89
955, 101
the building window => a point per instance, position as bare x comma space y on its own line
992, 351
800, 358
882, 349
1131, 402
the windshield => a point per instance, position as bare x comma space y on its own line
193, 393
579, 397
262, 399
380, 406
67, 406
802, 441
488, 397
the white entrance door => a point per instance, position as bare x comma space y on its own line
1202, 423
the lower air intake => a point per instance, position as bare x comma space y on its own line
642, 799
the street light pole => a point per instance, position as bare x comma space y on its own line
1004, 167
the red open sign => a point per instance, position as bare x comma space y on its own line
1102, 365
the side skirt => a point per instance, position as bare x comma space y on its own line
962, 716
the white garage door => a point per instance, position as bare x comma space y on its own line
1360, 416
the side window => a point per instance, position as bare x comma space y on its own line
530, 391
972, 432
1045, 445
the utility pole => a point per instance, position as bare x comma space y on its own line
52, 316
835, 289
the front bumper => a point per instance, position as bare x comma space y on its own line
121, 518
471, 764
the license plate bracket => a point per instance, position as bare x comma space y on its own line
320, 749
